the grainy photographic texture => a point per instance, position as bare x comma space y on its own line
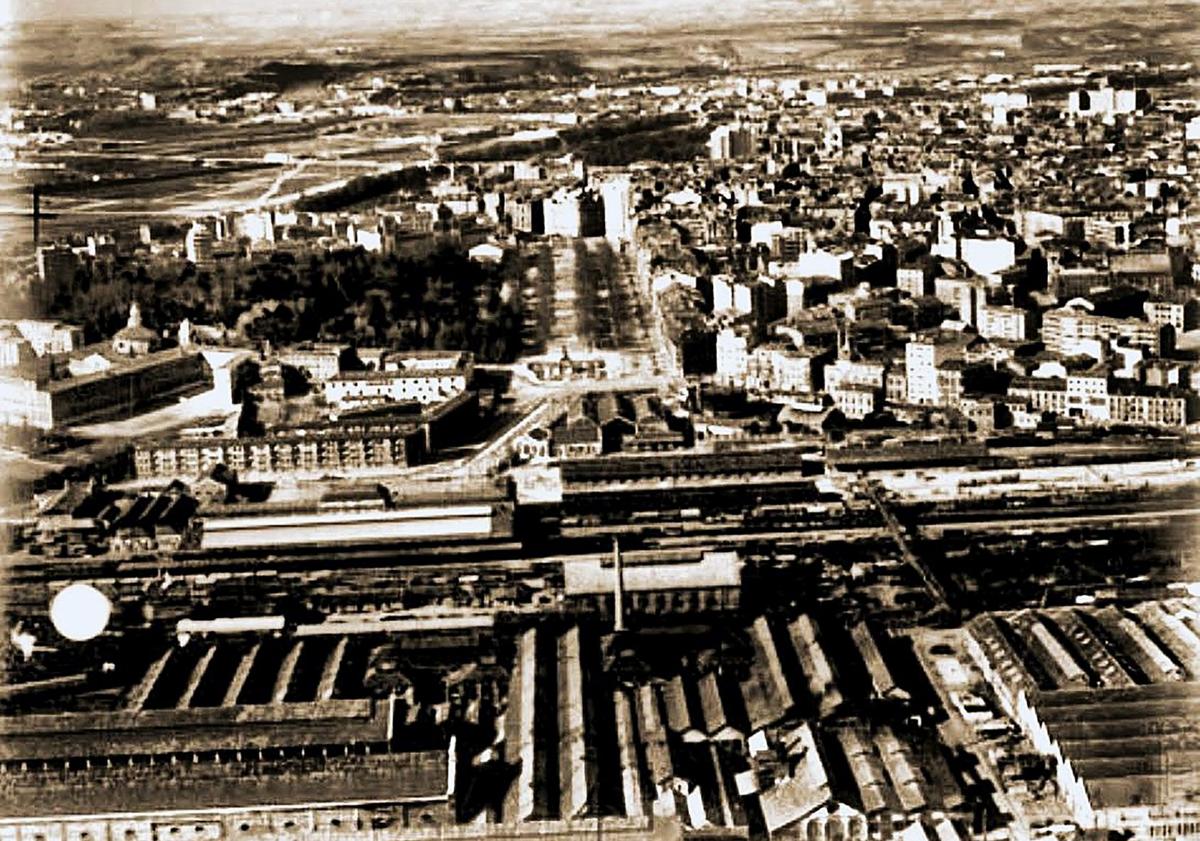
555, 420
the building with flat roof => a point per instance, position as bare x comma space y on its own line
710, 582
318, 360
288, 452
1074, 329
427, 377
46, 337
119, 387
360, 442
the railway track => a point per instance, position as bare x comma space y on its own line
347, 572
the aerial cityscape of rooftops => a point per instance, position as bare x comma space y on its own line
759, 428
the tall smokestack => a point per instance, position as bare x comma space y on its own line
618, 589
37, 218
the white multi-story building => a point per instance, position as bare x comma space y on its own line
722, 292
913, 280
816, 264
22, 403
1002, 322
1176, 313
1033, 224
560, 214
920, 361
1074, 330
904, 187
424, 378
46, 337
1166, 408
794, 293
778, 369
1102, 102
258, 227
765, 233
743, 299
1087, 396
369, 239
987, 255
856, 401
966, 295
852, 372
198, 245
732, 142
619, 221
731, 358
319, 361
1093, 399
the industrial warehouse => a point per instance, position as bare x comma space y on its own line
1110, 695
362, 708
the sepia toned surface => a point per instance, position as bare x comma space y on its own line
698, 420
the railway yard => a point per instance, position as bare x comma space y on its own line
770, 650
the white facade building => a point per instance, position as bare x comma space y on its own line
988, 255
1003, 322
731, 358
424, 379
920, 359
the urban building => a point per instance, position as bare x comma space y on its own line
430, 377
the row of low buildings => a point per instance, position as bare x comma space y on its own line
80, 519
427, 378
607, 422
379, 376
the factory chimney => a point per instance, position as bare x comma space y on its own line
37, 218
618, 589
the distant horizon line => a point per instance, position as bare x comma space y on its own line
373, 19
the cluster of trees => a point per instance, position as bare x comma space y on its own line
608, 142
601, 320
539, 279
617, 127
502, 150
619, 142
98, 300
369, 188
444, 300
667, 145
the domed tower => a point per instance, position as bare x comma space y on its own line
134, 339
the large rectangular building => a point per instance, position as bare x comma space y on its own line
215, 731
1071, 330
290, 452
122, 390
1094, 399
711, 582
424, 377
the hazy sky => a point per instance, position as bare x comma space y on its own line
364, 11
468, 12
256, 18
